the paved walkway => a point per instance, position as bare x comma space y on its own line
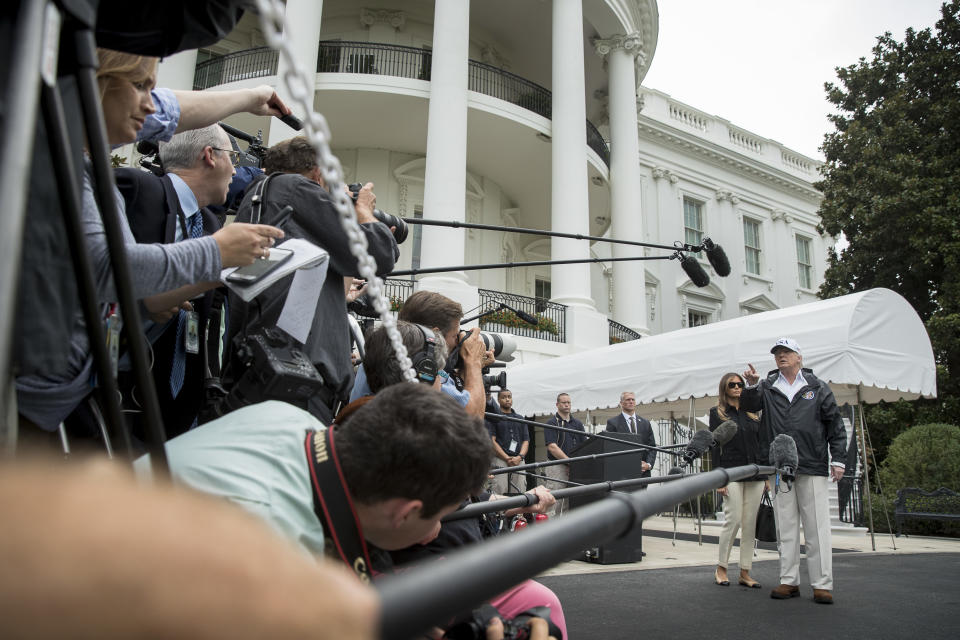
663, 553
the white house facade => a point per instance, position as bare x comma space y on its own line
532, 114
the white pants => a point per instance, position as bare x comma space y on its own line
560, 472
740, 513
807, 503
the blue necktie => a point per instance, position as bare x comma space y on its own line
179, 368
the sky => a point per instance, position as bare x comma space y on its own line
761, 64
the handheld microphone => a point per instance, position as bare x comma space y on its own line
783, 455
717, 257
523, 315
725, 432
296, 124
693, 269
699, 444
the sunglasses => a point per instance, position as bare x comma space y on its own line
735, 385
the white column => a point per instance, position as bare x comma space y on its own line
303, 35
625, 179
177, 71
445, 174
569, 204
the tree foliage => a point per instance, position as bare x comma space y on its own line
892, 186
926, 456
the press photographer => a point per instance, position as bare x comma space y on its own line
294, 180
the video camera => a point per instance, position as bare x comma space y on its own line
399, 225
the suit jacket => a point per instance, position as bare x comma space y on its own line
153, 210
618, 424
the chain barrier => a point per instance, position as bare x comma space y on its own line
299, 87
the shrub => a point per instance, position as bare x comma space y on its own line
926, 456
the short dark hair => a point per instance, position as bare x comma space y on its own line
380, 362
413, 442
504, 389
294, 155
432, 309
560, 395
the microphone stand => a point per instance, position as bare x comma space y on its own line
424, 595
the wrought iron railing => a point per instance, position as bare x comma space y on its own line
341, 56
397, 291
850, 497
550, 315
242, 65
596, 142
620, 333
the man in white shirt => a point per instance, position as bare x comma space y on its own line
795, 402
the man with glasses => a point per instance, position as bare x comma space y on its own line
172, 208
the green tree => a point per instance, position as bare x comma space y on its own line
891, 185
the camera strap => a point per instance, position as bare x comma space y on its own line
258, 197
333, 506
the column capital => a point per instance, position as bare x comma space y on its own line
632, 43
725, 194
660, 173
396, 19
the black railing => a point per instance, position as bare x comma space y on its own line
242, 65
397, 291
550, 315
850, 496
620, 333
339, 56
497, 83
596, 142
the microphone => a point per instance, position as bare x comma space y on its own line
296, 124
523, 315
725, 432
783, 455
693, 269
237, 133
717, 258
699, 444
675, 471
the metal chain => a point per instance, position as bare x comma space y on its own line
298, 85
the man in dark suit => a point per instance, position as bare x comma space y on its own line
171, 208
629, 422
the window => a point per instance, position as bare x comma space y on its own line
417, 238
697, 318
541, 291
804, 263
751, 244
692, 221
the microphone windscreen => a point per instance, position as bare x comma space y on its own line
694, 271
717, 257
783, 452
675, 471
700, 443
725, 432
526, 317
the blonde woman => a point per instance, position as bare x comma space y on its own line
741, 499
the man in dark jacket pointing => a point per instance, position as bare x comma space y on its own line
799, 404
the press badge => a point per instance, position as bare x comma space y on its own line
513, 445
191, 341
114, 325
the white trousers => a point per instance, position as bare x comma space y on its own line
808, 503
560, 472
740, 513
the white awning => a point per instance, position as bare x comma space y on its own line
870, 346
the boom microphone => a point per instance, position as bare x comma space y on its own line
523, 315
725, 432
717, 257
699, 444
783, 455
694, 271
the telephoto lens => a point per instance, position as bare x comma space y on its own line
399, 225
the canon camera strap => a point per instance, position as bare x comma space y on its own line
333, 505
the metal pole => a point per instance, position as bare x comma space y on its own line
551, 463
20, 108
423, 596
509, 265
866, 472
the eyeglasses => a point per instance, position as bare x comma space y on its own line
234, 155
735, 385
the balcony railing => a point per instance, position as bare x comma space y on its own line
340, 56
550, 315
242, 65
620, 333
397, 291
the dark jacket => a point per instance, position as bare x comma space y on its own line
744, 447
812, 419
618, 424
154, 212
507, 430
314, 218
